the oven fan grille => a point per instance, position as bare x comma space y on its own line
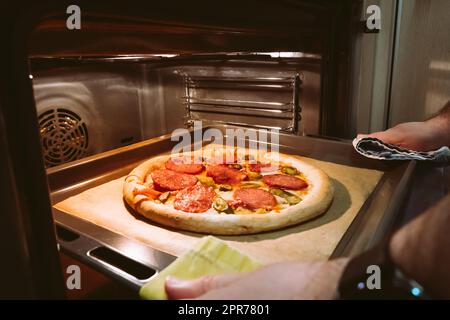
64, 136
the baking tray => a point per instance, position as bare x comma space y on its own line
134, 263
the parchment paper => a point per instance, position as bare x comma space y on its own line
313, 240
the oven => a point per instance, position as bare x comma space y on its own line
82, 107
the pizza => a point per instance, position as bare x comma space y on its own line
228, 191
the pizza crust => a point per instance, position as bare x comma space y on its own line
316, 201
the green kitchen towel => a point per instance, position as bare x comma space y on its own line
208, 257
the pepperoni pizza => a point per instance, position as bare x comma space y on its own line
217, 193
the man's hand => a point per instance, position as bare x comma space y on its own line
294, 280
418, 136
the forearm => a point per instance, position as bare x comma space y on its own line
421, 249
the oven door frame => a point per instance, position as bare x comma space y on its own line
31, 268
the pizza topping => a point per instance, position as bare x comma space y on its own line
225, 187
168, 180
234, 203
290, 171
164, 197
225, 175
278, 192
195, 199
150, 192
207, 181
289, 197
253, 175
250, 185
220, 205
284, 182
293, 199
235, 166
180, 165
255, 199
258, 167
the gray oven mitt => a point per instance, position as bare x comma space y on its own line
377, 149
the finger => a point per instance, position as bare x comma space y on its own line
383, 136
190, 289
361, 136
376, 134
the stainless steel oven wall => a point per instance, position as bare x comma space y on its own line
224, 98
84, 109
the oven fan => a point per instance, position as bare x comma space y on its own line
64, 136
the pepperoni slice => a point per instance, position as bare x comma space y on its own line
170, 180
284, 182
255, 198
225, 175
178, 165
258, 167
194, 199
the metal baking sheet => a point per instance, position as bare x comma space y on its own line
373, 221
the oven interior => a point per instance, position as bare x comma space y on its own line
88, 106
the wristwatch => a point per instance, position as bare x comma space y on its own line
373, 275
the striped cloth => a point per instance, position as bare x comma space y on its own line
377, 149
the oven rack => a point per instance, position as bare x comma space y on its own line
214, 101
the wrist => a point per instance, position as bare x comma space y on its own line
322, 279
335, 272
402, 256
440, 126
410, 257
